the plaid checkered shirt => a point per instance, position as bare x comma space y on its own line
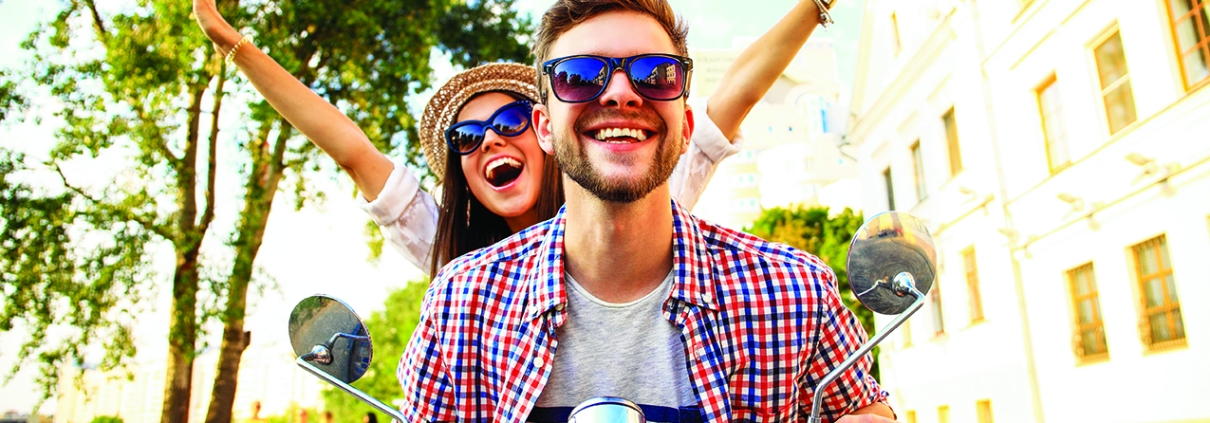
761, 322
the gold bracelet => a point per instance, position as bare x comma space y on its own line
231, 54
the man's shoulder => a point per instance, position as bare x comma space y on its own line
496, 263
736, 251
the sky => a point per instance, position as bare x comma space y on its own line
321, 249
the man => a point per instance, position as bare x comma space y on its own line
624, 293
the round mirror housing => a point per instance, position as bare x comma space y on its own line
326, 333
886, 246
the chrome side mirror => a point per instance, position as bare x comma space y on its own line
891, 266
332, 343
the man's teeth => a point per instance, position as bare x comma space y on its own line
607, 133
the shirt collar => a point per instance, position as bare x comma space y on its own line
692, 266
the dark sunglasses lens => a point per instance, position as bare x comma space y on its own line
578, 79
466, 138
657, 78
511, 121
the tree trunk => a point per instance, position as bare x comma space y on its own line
182, 329
182, 336
258, 202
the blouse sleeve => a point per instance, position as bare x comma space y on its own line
707, 148
407, 216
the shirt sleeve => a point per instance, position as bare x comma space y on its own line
838, 335
406, 215
707, 148
428, 394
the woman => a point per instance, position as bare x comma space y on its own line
500, 182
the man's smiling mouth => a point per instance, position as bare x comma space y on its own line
620, 135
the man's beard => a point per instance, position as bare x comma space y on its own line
574, 162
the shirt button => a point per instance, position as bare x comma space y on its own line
559, 307
706, 297
701, 353
539, 362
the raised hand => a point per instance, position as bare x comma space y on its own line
214, 26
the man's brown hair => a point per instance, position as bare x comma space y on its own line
566, 14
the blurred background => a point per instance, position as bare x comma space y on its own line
1056, 149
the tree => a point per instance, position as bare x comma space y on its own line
812, 230
390, 330
135, 86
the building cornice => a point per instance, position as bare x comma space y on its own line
913, 70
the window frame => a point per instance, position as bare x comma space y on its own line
1203, 43
1171, 309
918, 171
983, 411
1097, 325
1047, 141
949, 123
1125, 80
937, 308
970, 268
888, 181
896, 36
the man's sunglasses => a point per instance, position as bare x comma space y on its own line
510, 120
582, 78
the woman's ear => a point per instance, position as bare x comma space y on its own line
541, 121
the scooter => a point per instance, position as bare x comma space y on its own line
891, 265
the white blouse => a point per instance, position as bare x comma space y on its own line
407, 215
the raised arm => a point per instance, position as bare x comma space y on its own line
317, 119
758, 67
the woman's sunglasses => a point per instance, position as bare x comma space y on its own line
582, 78
510, 120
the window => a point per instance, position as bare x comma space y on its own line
1054, 130
972, 284
890, 188
1161, 321
1191, 28
918, 168
1115, 83
951, 140
909, 416
1088, 341
935, 301
895, 34
984, 410
943, 414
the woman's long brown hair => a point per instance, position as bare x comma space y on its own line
465, 224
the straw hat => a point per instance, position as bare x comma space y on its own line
439, 114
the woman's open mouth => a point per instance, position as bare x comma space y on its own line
503, 171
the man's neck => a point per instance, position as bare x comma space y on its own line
618, 252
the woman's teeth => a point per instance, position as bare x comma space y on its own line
502, 170
610, 133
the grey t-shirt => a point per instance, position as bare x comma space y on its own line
622, 350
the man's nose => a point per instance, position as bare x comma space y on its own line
620, 92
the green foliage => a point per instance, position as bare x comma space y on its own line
10, 99
106, 419
63, 264
135, 84
827, 237
390, 329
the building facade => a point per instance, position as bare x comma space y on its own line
790, 154
1057, 150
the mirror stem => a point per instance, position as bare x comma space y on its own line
373, 402
901, 281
